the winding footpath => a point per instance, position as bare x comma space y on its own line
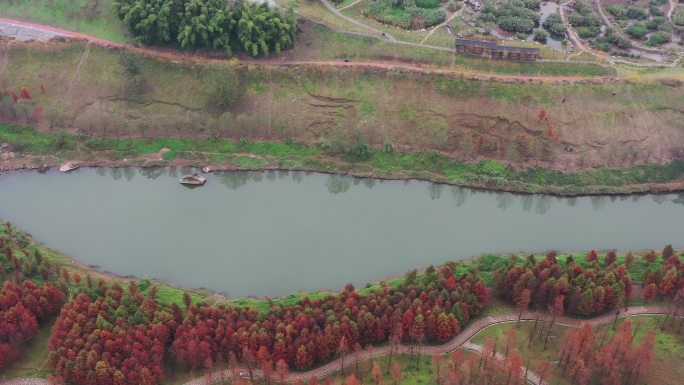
339, 14
445, 23
177, 55
460, 341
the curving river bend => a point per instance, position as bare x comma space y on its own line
272, 233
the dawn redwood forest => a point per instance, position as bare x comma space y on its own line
114, 332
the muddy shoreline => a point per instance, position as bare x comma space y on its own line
551, 190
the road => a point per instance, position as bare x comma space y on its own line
47, 32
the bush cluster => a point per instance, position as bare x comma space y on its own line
407, 14
554, 24
515, 16
584, 16
216, 24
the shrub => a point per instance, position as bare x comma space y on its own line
678, 16
540, 35
586, 32
619, 11
514, 17
656, 22
637, 30
554, 24
584, 16
428, 3
655, 11
433, 17
601, 44
453, 6
361, 151
532, 4
636, 13
658, 38
225, 87
614, 37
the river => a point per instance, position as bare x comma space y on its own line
272, 233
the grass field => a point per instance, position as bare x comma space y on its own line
91, 17
320, 43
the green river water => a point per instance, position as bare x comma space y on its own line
272, 233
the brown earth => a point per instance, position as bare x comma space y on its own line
588, 123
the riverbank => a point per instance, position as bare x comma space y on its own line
119, 102
170, 293
485, 265
26, 148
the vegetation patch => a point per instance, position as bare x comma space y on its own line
254, 28
407, 14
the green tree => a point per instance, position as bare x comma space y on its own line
206, 23
263, 30
151, 21
225, 86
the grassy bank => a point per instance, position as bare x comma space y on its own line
37, 149
108, 94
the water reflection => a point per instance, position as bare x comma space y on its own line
598, 202
543, 204
116, 173
660, 199
679, 199
528, 203
128, 173
233, 180
369, 183
152, 172
293, 211
459, 195
504, 201
435, 191
338, 184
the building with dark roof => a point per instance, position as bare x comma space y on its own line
492, 50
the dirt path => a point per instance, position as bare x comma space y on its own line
4, 59
529, 376
446, 22
432, 70
673, 6
84, 57
178, 55
350, 5
461, 340
573, 35
339, 14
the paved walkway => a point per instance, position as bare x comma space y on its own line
25, 33
530, 376
461, 340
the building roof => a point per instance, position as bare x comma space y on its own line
476, 43
494, 46
519, 49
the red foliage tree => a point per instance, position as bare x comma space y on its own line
541, 115
25, 94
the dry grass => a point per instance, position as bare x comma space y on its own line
449, 114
